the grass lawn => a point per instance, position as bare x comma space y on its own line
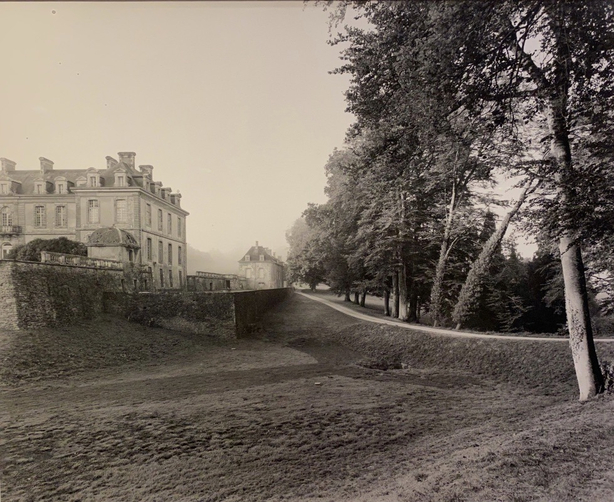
319, 406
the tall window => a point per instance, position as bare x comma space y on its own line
148, 214
121, 211
60, 188
121, 180
60, 216
38, 188
149, 249
179, 230
7, 217
180, 280
261, 273
179, 256
170, 254
160, 252
169, 223
160, 220
93, 179
170, 278
40, 216
248, 273
161, 277
4, 188
93, 211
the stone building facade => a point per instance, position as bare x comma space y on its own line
262, 269
47, 203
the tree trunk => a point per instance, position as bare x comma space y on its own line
363, 297
403, 293
347, 296
588, 374
440, 269
386, 302
395, 294
437, 288
469, 295
356, 297
412, 315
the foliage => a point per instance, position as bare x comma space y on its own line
32, 250
302, 260
445, 94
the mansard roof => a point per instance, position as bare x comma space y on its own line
256, 251
28, 177
112, 237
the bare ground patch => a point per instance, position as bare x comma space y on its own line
292, 416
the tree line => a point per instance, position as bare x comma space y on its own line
454, 99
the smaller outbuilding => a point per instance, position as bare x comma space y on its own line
262, 269
112, 243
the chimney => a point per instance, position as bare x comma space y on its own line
46, 165
147, 171
257, 245
111, 162
166, 192
127, 158
8, 166
176, 199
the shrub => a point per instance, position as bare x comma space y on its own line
32, 250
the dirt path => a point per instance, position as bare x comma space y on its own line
292, 416
371, 317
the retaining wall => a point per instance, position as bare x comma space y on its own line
34, 294
220, 314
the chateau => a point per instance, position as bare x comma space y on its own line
262, 269
47, 203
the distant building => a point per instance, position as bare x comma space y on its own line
262, 269
210, 281
47, 203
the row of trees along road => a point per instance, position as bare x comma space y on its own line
450, 98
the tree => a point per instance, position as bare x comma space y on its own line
515, 64
471, 291
32, 250
302, 259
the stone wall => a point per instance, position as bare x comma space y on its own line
8, 303
219, 314
192, 312
251, 305
45, 294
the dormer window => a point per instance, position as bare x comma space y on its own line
120, 179
39, 187
247, 257
92, 180
261, 257
4, 188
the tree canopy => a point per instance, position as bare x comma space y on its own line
450, 97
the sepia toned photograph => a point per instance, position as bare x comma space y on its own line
320, 250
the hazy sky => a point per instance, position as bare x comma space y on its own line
232, 103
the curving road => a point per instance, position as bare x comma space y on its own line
435, 331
